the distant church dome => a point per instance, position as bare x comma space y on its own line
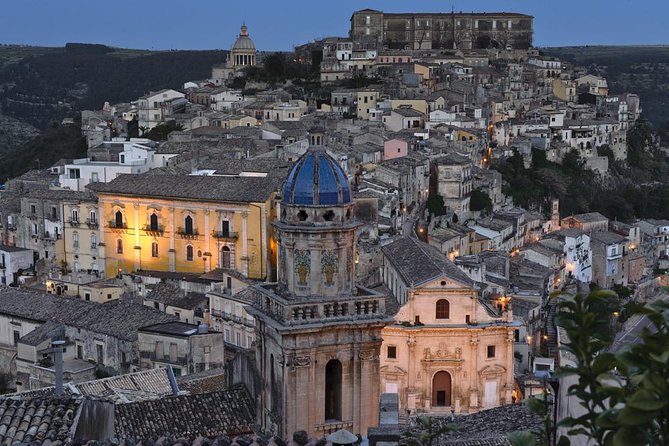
316, 180
244, 42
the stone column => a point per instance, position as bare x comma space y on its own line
138, 247
509, 384
207, 237
473, 373
245, 254
171, 229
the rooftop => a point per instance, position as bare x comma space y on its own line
228, 412
192, 187
417, 262
116, 318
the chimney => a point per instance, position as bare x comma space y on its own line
58, 351
202, 328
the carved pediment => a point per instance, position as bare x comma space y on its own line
491, 371
392, 370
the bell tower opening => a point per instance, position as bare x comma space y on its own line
333, 390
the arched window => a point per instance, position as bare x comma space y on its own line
154, 249
189, 253
75, 239
94, 241
119, 246
225, 257
333, 390
153, 223
118, 219
443, 309
188, 225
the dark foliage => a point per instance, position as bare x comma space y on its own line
638, 189
59, 84
55, 142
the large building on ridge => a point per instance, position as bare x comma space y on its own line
425, 31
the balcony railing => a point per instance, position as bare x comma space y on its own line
92, 224
192, 234
73, 222
115, 225
11, 227
225, 235
159, 229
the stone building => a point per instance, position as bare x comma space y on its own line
318, 333
187, 348
448, 349
190, 223
425, 31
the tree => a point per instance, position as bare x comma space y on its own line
161, 131
624, 393
435, 204
429, 431
480, 201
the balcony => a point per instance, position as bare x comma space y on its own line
11, 227
154, 230
92, 224
193, 234
362, 307
46, 235
224, 235
74, 223
117, 226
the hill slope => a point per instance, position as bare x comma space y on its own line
635, 69
61, 82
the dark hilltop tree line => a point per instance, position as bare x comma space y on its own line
51, 86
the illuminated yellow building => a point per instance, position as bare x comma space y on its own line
189, 223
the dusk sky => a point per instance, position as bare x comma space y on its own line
280, 24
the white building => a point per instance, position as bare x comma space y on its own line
151, 107
137, 157
13, 259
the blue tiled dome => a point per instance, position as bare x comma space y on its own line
316, 179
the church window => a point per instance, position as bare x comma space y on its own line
392, 352
119, 246
491, 351
443, 309
189, 253
154, 249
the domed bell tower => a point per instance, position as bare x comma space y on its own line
318, 334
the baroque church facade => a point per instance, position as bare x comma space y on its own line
318, 333
448, 349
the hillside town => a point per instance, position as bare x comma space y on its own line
283, 269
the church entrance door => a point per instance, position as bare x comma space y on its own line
441, 389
